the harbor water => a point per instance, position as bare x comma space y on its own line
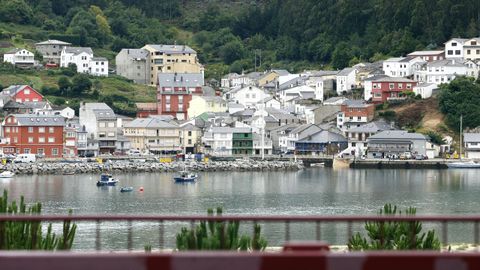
313, 191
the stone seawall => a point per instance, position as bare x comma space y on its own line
125, 166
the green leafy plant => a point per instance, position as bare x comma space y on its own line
394, 235
219, 235
28, 235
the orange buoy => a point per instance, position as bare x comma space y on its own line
141, 189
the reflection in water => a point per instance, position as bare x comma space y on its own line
319, 191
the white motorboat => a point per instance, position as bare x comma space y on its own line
7, 174
464, 164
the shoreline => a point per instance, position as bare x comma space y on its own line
81, 167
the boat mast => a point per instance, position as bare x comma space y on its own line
461, 120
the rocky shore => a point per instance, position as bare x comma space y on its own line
78, 167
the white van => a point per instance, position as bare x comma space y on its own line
25, 158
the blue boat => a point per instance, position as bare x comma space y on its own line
126, 189
185, 176
106, 180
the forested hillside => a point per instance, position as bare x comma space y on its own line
296, 34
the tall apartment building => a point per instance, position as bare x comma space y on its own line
170, 59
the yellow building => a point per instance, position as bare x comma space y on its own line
271, 76
171, 59
154, 135
201, 104
192, 137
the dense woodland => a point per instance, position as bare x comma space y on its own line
292, 33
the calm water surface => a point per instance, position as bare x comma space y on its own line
312, 191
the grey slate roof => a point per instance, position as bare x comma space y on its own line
323, 136
230, 130
150, 122
395, 79
135, 53
12, 51
401, 135
471, 137
180, 79
281, 72
39, 120
173, 49
99, 59
104, 114
376, 77
191, 127
53, 42
345, 71
372, 127
78, 50
446, 62
35, 104
355, 103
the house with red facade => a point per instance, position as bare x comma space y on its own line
354, 113
174, 92
391, 88
21, 94
34, 134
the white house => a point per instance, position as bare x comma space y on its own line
346, 80
19, 57
248, 96
471, 49
454, 48
100, 123
472, 145
268, 102
444, 71
80, 56
98, 66
83, 58
424, 89
401, 66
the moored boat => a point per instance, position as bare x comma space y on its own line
185, 176
106, 180
464, 164
7, 174
126, 189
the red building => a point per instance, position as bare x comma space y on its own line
174, 92
22, 93
358, 109
34, 134
391, 88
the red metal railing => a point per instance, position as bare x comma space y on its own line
316, 221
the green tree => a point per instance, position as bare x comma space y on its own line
341, 56
395, 235
64, 85
81, 84
16, 11
232, 51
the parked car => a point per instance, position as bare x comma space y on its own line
406, 155
421, 157
25, 158
134, 152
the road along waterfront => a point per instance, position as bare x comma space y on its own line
314, 191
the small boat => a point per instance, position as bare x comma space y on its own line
464, 164
126, 189
185, 176
68, 173
7, 174
106, 180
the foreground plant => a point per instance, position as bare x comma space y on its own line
395, 235
28, 235
219, 235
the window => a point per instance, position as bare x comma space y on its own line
51, 139
167, 107
101, 135
450, 52
189, 141
457, 52
409, 86
40, 151
26, 150
41, 139
468, 51
111, 124
7, 130
15, 139
454, 44
377, 95
400, 85
54, 151
167, 99
189, 133
27, 91
391, 86
101, 124
41, 129
30, 139
111, 134
30, 129
51, 129
180, 99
